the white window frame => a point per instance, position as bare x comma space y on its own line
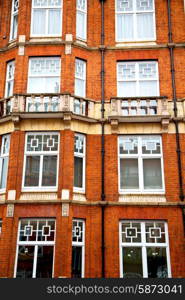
10, 70
30, 75
84, 12
3, 156
14, 14
143, 245
135, 13
47, 8
83, 156
139, 156
80, 76
80, 244
137, 79
35, 244
41, 154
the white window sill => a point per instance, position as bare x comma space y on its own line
2, 191
81, 42
79, 191
136, 43
121, 192
36, 190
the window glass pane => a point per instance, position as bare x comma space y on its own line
148, 88
129, 178
80, 25
39, 21
76, 262
125, 29
132, 262
144, 5
49, 173
152, 173
44, 262
54, 22
25, 262
127, 89
52, 85
157, 262
14, 27
78, 172
4, 172
79, 88
32, 171
145, 26
36, 85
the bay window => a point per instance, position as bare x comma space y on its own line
144, 249
137, 79
79, 162
135, 20
81, 19
35, 248
41, 161
46, 18
4, 158
140, 164
44, 75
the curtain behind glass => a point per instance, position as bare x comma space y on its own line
54, 22
152, 173
129, 174
125, 30
78, 172
4, 171
145, 26
80, 25
39, 21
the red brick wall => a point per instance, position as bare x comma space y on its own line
92, 217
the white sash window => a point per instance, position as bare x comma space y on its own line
81, 19
144, 249
4, 158
46, 18
135, 20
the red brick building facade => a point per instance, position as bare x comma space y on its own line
92, 135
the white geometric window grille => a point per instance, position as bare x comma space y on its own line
41, 160
144, 244
140, 164
128, 145
131, 232
14, 19
4, 159
135, 20
35, 230
79, 143
80, 78
44, 75
28, 230
46, 230
78, 234
79, 162
10, 69
137, 79
46, 18
81, 19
